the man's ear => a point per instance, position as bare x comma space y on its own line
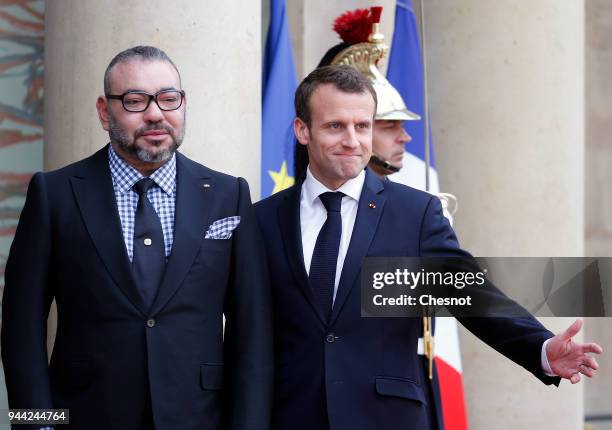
102, 108
302, 133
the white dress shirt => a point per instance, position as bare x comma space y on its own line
313, 215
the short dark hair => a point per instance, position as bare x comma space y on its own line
143, 53
345, 78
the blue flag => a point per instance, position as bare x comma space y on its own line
405, 72
279, 84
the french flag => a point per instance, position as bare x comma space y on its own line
405, 73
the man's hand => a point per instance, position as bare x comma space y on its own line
568, 359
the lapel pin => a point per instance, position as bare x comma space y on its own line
206, 185
372, 205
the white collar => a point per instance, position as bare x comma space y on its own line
312, 188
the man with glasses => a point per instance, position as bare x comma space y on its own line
145, 252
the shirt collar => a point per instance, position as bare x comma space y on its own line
312, 188
125, 176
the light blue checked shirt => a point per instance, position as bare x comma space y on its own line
162, 197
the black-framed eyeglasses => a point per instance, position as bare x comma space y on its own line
139, 101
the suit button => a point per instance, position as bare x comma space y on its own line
330, 338
150, 322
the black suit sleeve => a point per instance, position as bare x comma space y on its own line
25, 305
248, 328
520, 338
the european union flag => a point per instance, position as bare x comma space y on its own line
279, 83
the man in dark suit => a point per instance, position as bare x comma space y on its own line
334, 369
389, 139
145, 251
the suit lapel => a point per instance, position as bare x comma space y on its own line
93, 190
289, 220
369, 211
190, 221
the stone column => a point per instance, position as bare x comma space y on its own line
506, 81
216, 46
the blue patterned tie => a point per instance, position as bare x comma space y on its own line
325, 255
149, 253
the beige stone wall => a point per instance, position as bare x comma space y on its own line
598, 93
506, 86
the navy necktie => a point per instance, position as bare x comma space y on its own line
149, 252
325, 255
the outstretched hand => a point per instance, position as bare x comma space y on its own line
569, 359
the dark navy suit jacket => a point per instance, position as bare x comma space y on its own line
362, 373
109, 346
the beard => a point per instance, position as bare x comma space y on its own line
128, 143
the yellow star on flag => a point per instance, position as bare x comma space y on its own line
281, 179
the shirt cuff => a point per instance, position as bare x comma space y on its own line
544, 360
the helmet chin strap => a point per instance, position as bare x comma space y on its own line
384, 164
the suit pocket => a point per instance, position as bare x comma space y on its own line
213, 248
219, 242
214, 257
399, 387
211, 376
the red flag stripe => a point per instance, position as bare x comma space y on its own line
454, 413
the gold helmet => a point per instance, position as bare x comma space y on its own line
364, 46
